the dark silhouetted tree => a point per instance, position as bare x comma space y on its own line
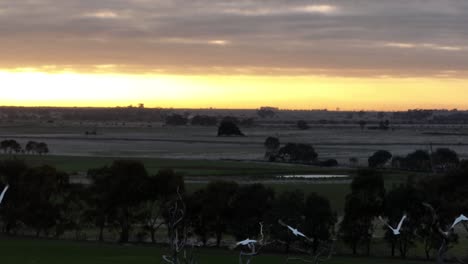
250, 207
229, 128
176, 120
320, 220
445, 159
288, 207
272, 145
298, 152
363, 204
379, 158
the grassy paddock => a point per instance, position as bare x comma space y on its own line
72, 164
28, 251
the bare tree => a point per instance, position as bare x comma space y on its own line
252, 248
178, 232
446, 235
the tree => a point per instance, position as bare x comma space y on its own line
298, 152
445, 159
10, 146
289, 207
267, 112
320, 220
250, 207
217, 208
379, 159
362, 205
272, 145
42, 148
419, 160
11, 172
40, 192
404, 199
229, 128
302, 125
163, 190
31, 147
125, 188
176, 120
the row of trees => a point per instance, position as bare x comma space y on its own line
125, 199
12, 146
441, 160
369, 199
205, 120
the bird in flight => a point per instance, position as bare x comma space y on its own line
293, 230
246, 242
250, 243
460, 219
396, 231
3, 193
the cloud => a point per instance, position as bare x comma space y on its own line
425, 46
398, 37
102, 15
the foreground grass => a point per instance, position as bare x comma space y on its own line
27, 251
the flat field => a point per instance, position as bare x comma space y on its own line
189, 142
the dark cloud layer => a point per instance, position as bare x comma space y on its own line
341, 37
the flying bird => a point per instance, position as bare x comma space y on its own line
396, 231
248, 242
293, 230
3, 193
460, 219
436, 221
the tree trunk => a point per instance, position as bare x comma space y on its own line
101, 233
219, 238
153, 235
125, 234
368, 245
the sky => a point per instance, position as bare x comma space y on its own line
295, 54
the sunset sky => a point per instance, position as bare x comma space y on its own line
352, 54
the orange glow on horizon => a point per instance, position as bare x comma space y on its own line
30, 88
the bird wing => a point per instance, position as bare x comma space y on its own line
301, 234
3, 193
401, 222
385, 223
461, 218
282, 223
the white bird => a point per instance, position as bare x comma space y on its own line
294, 230
396, 231
460, 219
246, 242
3, 193
250, 243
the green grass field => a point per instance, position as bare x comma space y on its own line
72, 164
26, 251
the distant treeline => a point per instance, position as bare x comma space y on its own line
265, 114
